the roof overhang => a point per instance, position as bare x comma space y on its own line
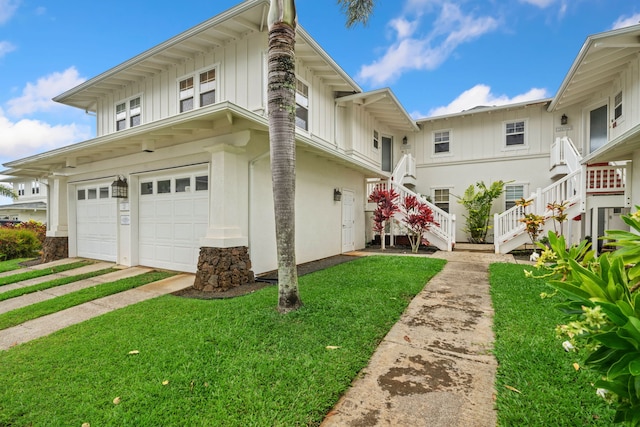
620, 149
236, 23
383, 105
488, 110
600, 61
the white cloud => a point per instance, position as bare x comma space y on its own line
37, 97
6, 47
7, 9
539, 3
27, 137
481, 95
427, 52
626, 21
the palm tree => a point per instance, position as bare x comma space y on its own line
7, 192
282, 114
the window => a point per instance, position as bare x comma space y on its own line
92, 193
104, 192
202, 183
186, 95
134, 112
511, 194
35, 187
164, 186
183, 185
514, 133
207, 87
128, 113
376, 142
441, 142
618, 106
193, 96
81, 195
21, 189
302, 105
146, 188
441, 198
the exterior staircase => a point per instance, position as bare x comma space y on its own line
579, 185
442, 233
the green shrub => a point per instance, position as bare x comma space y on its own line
37, 227
18, 243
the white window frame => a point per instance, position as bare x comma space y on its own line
437, 202
302, 99
618, 102
35, 188
439, 134
127, 113
376, 140
198, 88
21, 188
524, 133
509, 202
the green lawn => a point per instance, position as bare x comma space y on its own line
233, 362
550, 392
32, 274
13, 264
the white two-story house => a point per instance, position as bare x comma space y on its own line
178, 176
31, 203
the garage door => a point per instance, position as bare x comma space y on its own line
96, 225
173, 215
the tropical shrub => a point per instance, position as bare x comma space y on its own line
386, 207
37, 227
601, 301
17, 243
478, 205
418, 218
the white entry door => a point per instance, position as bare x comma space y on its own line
96, 222
173, 217
348, 221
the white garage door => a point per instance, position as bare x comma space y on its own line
173, 215
96, 225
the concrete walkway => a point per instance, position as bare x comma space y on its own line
435, 367
46, 325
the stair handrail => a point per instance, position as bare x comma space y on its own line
569, 190
405, 167
564, 152
444, 226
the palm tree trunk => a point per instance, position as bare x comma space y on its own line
282, 114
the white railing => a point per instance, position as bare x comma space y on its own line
444, 227
606, 179
569, 190
564, 152
405, 167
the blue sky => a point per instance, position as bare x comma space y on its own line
438, 56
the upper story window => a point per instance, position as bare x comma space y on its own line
376, 139
35, 187
128, 113
441, 141
302, 105
198, 90
515, 133
21, 189
618, 106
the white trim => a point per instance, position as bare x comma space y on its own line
525, 136
196, 86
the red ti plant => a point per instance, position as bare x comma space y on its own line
418, 219
385, 209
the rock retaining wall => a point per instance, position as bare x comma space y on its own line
55, 248
220, 269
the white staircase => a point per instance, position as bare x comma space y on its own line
442, 233
574, 189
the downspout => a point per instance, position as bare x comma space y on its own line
252, 163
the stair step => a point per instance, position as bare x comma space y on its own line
472, 247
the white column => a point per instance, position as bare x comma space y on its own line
58, 207
228, 193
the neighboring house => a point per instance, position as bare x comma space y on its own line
182, 129
31, 203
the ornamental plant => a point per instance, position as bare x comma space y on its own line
386, 207
418, 218
16, 243
478, 205
558, 215
532, 223
601, 301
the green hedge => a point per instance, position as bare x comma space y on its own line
18, 243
